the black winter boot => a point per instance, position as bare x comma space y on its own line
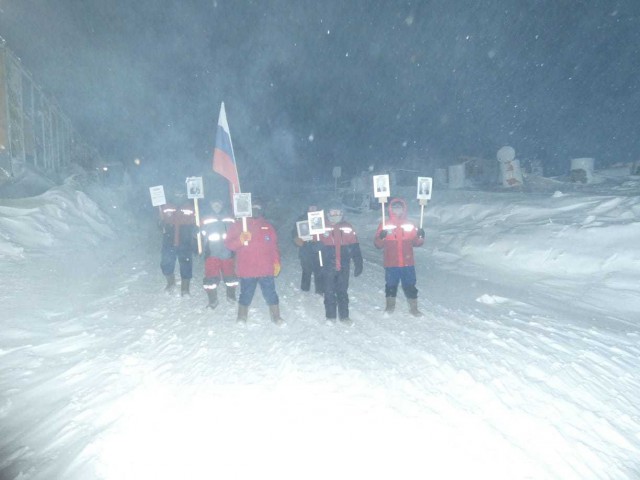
231, 294
171, 282
274, 310
212, 295
413, 308
391, 305
184, 287
243, 313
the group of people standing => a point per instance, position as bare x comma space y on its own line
232, 255
249, 256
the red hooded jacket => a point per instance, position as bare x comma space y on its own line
259, 257
402, 236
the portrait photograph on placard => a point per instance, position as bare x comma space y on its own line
303, 230
194, 188
424, 188
381, 186
242, 204
316, 222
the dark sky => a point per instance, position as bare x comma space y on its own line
312, 84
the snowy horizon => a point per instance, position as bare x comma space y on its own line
525, 366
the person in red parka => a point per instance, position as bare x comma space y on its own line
178, 234
257, 261
397, 238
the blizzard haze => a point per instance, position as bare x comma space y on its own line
525, 365
308, 86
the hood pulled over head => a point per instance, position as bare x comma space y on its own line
397, 209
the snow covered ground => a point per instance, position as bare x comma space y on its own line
525, 366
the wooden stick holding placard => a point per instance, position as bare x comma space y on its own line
319, 250
425, 187
157, 198
195, 190
244, 228
382, 201
242, 209
317, 226
423, 203
197, 210
381, 191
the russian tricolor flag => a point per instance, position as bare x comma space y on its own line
224, 161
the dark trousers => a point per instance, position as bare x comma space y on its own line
336, 297
248, 289
395, 275
310, 264
168, 258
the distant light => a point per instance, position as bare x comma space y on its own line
137, 161
104, 169
1, 147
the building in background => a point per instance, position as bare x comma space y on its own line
34, 132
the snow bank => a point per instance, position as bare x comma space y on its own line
58, 215
559, 234
103, 375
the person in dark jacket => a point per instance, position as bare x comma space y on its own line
219, 260
308, 250
178, 233
339, 248
257, 262
397, 238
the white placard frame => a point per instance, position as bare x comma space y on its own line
424, 188
316, 222
195, 188
304, 233
242, 205
157, 196
381, 187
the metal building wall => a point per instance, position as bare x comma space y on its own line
33, 129
5, 152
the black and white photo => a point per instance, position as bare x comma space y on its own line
424, 188
303, 230
381, 186
194, 188
242, 205
316, 222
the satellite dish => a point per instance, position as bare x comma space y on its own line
506, 154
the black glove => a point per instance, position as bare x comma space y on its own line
383, 233
421, 233
357, 271
356, 254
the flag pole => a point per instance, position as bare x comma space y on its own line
233, 154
